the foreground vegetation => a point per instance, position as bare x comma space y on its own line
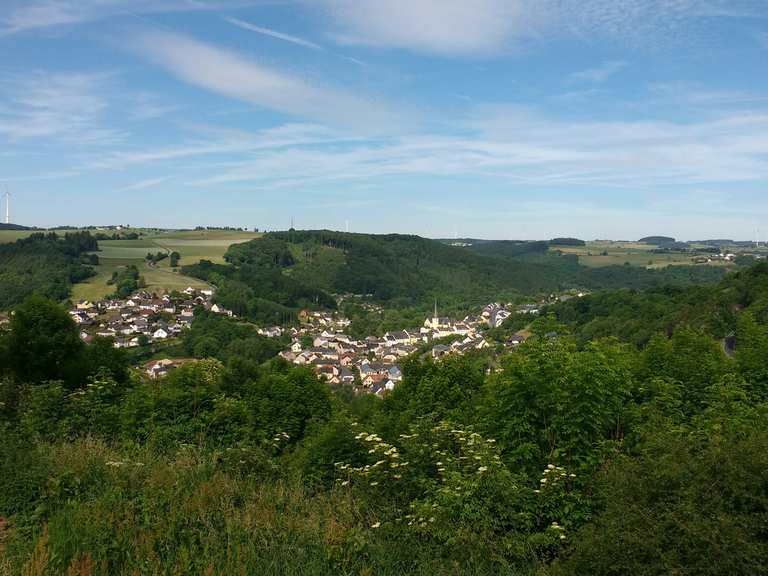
565, 456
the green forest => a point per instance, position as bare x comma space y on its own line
270, 278
45, 264
626, 436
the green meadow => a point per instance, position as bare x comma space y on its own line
615, 253
193, 246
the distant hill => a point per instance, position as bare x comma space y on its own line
14, 227
657, 240
273, 276
567, 242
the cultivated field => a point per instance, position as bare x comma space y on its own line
13, 235
606, 253
193, 246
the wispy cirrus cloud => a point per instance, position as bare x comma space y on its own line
231, 74
220, 142
444, 27
488, 27
702, 96
599, 73
68, 106
273, 33
26, 15
525, 149
144, 184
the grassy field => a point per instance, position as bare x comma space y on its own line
7, 236
604, 253
193, 246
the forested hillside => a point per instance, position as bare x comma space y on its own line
44, 264
270, 277
565, 456
634, 316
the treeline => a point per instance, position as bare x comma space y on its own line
46, 264
4, 226
554, 459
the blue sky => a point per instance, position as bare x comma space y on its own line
483, 118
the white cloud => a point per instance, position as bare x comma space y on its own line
231, 74
144, 184
273, 33
225, 142
148, 106
446, 27
498, 144
486, 27
692, 94
524, 150
600, 73
65, 105
26, 15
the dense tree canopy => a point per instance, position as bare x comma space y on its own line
44, 264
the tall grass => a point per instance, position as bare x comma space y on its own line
100, 511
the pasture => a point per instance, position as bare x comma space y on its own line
608, 253
193, 246
7, 236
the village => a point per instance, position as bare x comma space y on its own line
371, 365
143, 318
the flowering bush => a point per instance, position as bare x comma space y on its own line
449, 483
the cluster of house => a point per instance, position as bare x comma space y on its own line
371, 364
142, 318
160, 368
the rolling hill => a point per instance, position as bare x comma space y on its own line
283, 271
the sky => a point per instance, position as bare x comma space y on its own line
509, 119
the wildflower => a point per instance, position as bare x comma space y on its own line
572, 475
562, 536
482, 469
345, 483
537, 491
550, 466
374, 483
376, 525
543, 480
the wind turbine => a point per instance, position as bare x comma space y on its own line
7, 207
